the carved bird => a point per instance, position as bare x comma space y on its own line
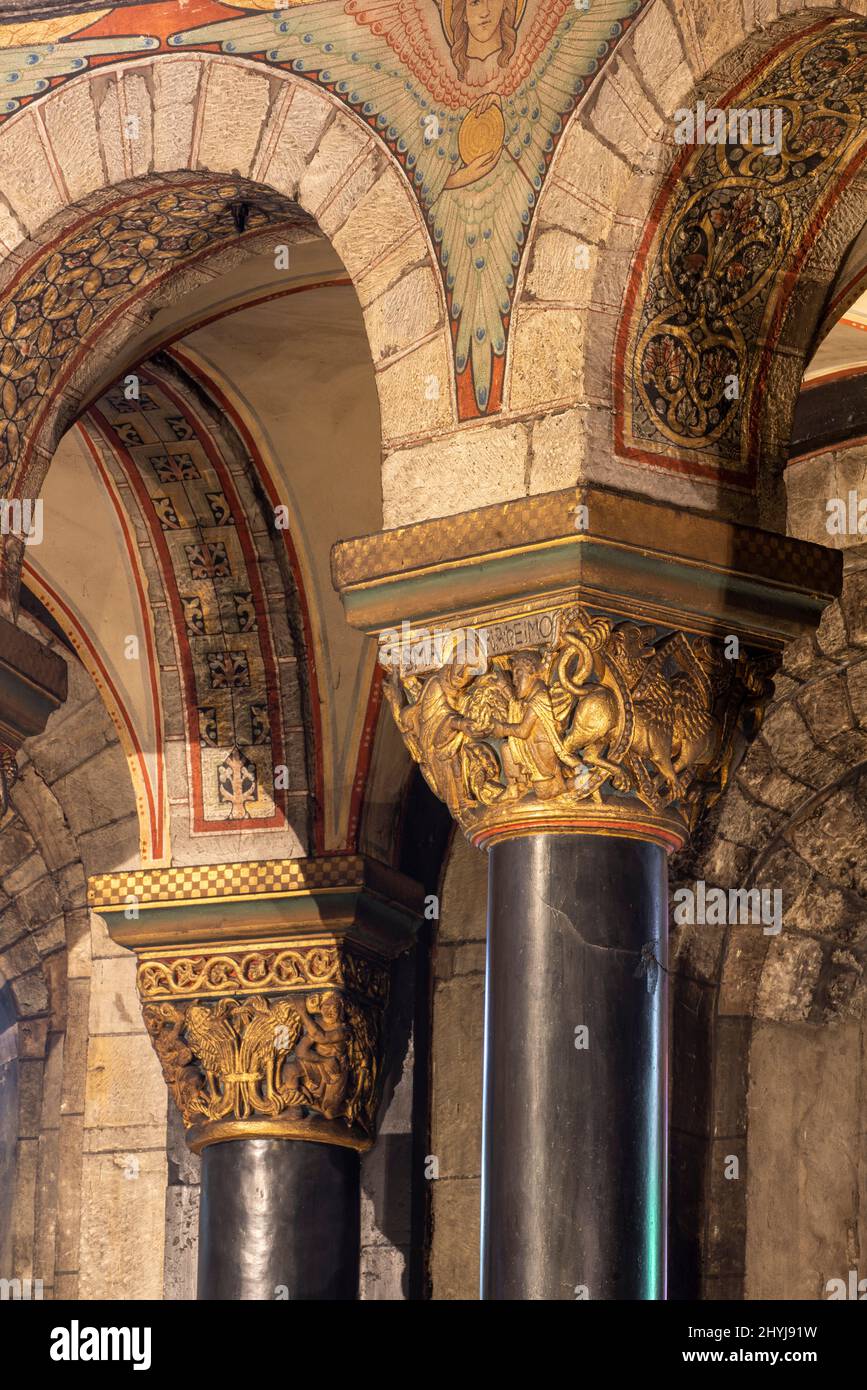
268, 1033
215, 1047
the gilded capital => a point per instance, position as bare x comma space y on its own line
584, 661
586, 723
264, 988
248, 1047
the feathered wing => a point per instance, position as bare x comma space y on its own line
212, 1039
481, 230
29, 32
393, 68
29, 57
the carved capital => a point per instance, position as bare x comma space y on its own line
584, 661
280, 1041
264, 988
575, 720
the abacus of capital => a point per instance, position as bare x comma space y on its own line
578, 692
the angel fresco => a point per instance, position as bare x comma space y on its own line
472, 96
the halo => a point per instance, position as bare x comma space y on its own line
446, 8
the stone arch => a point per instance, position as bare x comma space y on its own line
614, 184
244, 135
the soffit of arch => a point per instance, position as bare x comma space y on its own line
159, 567
673, 407
293, 373
296, 372
604, 191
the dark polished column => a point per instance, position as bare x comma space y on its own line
279, 1219
574, 1165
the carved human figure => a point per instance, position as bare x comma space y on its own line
319, 1070
534, 751
436, 730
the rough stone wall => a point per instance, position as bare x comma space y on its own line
817, 479
89, 1198
457, 1059
768, 1026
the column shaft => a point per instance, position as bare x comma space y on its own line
279, 1215
574, 1147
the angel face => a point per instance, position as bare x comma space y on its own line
484, 18
331, 1010
482, 28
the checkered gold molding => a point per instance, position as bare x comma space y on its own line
206, 882
617, 517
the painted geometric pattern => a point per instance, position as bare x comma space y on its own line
733, 227
62, 295
211, 576
472, 100
269, 877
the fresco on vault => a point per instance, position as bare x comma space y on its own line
471, 96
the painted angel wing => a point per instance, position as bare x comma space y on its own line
363, 69
389, 69
28, 32
29, 57
481, 230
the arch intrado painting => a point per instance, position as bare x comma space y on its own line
470, 96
